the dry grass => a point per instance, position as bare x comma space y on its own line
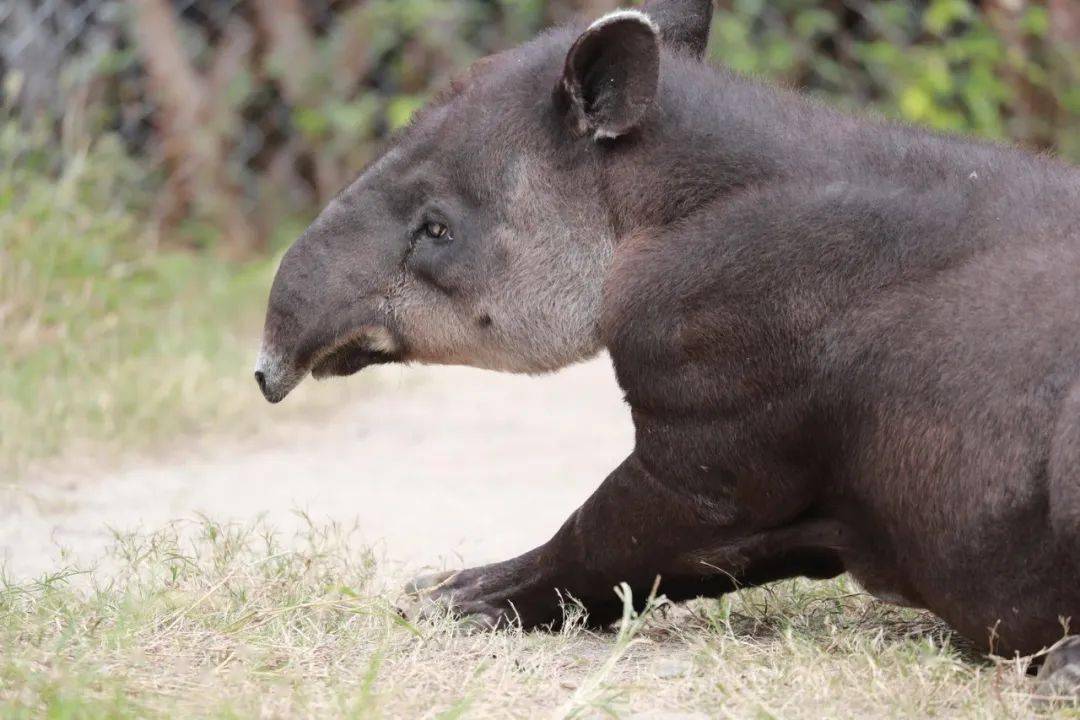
205, 620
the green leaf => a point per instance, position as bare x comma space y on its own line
401, 109
942, 14
915, 103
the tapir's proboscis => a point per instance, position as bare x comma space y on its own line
847, 345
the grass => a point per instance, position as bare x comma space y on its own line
110, 341
229, 621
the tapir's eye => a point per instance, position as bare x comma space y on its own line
436, 230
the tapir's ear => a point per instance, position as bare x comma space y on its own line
611, 74
684, 24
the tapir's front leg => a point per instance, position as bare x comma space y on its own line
633, 529
624, 533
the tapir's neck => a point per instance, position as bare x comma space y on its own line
714, 132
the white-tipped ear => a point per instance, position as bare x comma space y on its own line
617, 15
611, 75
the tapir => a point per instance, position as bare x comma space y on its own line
846, 344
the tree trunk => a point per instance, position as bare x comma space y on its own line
191, 142
291, 53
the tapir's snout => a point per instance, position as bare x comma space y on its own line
327, 313
275, 377
290, 351
348, 353
280, 366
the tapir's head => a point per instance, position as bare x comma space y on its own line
481, 236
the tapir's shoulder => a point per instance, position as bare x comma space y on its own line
774, 261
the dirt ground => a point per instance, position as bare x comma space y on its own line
439, 466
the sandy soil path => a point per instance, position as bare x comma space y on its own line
439, 466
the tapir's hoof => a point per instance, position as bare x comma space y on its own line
1059, 677
464, 595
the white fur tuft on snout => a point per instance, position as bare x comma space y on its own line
279, 377
268, 363
618, 15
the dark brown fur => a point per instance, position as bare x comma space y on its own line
847, 345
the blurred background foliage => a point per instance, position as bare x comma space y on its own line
157, 154
1007, 70
242, 111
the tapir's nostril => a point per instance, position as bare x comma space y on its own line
260, 378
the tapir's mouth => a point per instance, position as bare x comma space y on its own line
372, 345
349, 359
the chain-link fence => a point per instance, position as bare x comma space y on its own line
244, 110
